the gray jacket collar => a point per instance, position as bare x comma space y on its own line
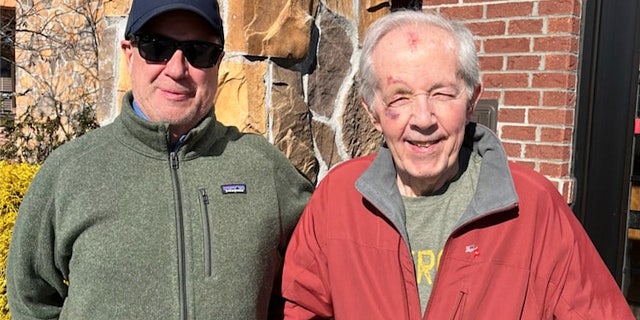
495, 191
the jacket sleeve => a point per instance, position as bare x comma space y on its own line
35, 286
572, 281
589, 291
305, 284
293, 191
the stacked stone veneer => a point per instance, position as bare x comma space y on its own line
290, 69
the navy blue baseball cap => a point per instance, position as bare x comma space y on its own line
144, 10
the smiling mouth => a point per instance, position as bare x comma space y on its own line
176, 92
421, 144
176, 95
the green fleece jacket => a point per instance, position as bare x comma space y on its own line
116, 225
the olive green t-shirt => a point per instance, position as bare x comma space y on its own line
430, 220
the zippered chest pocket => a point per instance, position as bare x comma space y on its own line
203, 199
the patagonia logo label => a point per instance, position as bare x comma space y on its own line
233, 188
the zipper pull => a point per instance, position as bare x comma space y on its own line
204, 196
173, 159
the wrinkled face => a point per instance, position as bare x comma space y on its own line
174, 91
421, 106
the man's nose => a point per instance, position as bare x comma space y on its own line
177, 66
422, 112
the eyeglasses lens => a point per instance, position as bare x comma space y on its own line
200, 54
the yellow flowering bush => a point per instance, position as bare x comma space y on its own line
14, 181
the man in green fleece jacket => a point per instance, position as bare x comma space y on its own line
165, 213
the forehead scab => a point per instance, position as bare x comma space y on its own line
430, 36
413, 39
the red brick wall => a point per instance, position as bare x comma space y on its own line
528, 53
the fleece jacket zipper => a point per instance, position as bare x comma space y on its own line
182, 276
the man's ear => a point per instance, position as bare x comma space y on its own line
372, 116
127, 51
477, 92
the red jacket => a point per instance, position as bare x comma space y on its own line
519, 252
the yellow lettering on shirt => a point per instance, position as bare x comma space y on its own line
426, 265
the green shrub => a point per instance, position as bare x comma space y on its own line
14, 181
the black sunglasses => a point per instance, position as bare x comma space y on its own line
155, 48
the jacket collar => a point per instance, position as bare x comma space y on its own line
378, 185
495, 190
152, 139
